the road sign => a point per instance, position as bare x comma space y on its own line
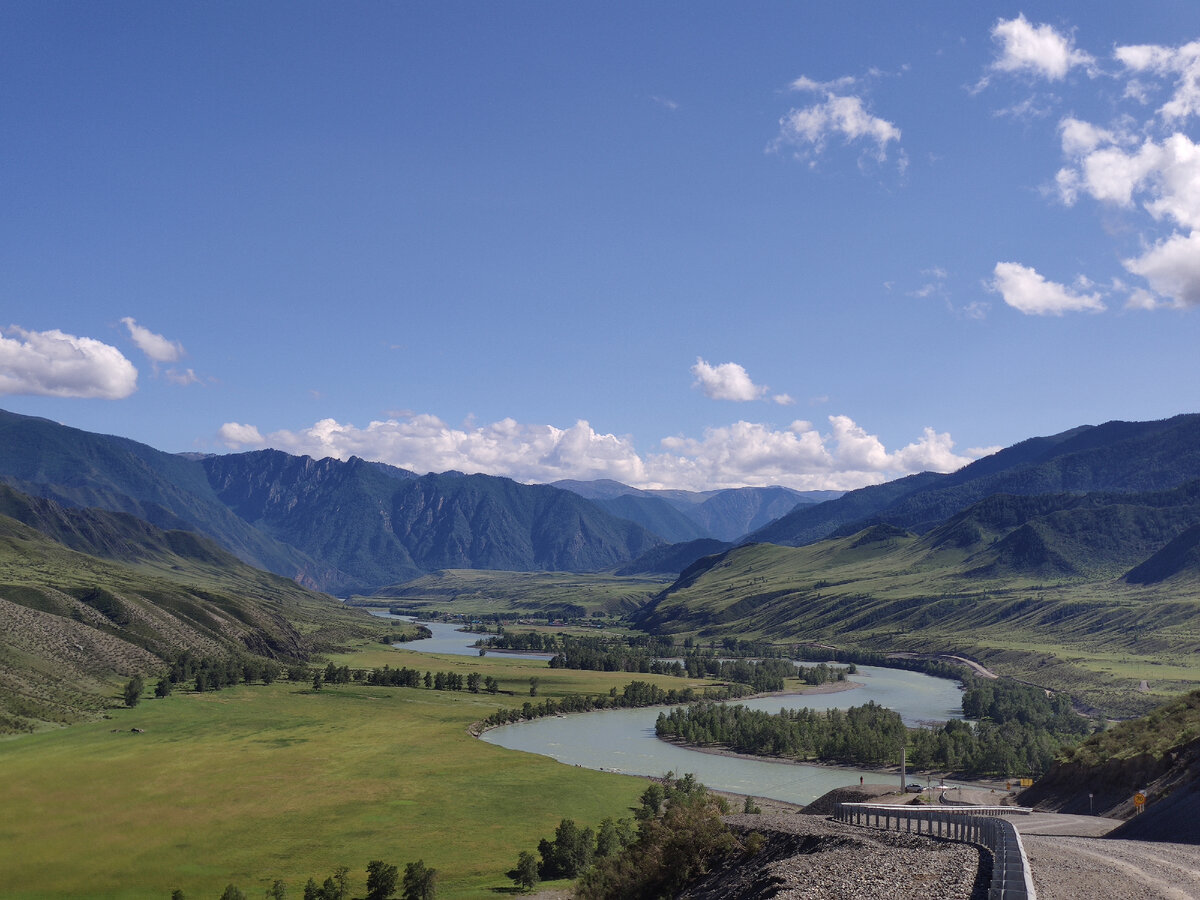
1139, 800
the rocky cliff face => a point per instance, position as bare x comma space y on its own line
370, 526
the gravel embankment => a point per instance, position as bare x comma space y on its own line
816, 859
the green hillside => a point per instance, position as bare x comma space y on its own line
1157, 755
128, 597
1031, 586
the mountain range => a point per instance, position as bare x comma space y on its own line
1091, 535
355, 526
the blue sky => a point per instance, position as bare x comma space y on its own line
684, 245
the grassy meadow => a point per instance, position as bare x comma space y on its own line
1118, 647
480, 593
254, 783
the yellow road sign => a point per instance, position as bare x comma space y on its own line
1139, 799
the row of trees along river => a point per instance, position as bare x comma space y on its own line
1018, 730
762, 667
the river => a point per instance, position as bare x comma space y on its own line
623, 740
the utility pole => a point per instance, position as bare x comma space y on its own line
903, 768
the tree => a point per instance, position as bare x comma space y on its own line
317, 681
133, 690
341, 880
381, 880
473, 682
525, 875
177, 894
277, 890
164, 687
534, 681
613, 836
490, 684
232, 893
569, 853
418, 881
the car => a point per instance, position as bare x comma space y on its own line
914, 788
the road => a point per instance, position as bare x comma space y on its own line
1070, 861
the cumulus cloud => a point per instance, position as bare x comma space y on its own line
55, 364
844, 117
238, 437
1024, 289
155, 346
1164, 177
1181, 63
728, 381
1037, 50
1172, 268
743, 453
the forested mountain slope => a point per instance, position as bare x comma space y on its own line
333, 525
1116, 456
381, 528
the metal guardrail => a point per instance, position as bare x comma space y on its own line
982, 825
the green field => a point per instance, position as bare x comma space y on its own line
255, 783
476, 592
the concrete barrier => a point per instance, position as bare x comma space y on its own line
981, 825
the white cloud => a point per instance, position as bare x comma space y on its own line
1027, 291
1139, 298
1038, 50
1172, 267
728, 381
1080, 138
934, 452
182, 377
1165, 177
784, 399
155, 346
55, 364
804, 83
736, 455
236, 436
1165, 174
838, 116
980, 452
1182, 62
